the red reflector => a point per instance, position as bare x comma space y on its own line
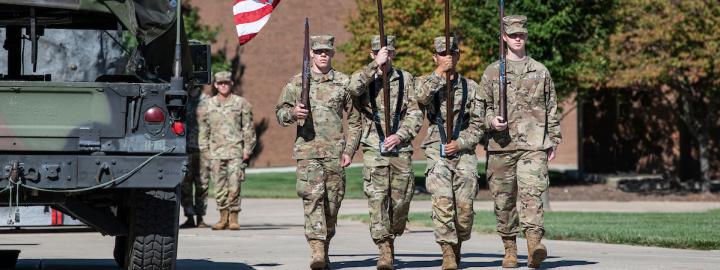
178, 128
154, 115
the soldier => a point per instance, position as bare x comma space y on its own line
198, 176
322, 155
452, 178
520, 147
384, 170
227, 137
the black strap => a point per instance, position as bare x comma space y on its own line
374, 91
440, 122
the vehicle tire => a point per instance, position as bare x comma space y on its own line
153, 234
121, 250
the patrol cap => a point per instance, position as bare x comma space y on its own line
515, 24
320, 42
375, 43
223, 76
439, 44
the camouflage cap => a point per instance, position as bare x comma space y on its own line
223, 76
515, 24
375, 43
439, 44
320, 42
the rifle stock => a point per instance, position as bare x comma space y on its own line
503, 67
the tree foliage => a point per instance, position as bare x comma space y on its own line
562, 32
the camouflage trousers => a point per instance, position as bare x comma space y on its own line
321, 185
380, 173
518, 178
227, 175
194, 187
449, 179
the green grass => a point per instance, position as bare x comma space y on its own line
672, 230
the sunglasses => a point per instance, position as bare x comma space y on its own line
445, 53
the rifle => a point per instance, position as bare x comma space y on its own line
450, 101
305, 128
386, 104
503, 66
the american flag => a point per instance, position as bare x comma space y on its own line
251, 16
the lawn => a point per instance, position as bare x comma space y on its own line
672, 230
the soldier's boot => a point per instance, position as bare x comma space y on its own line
327, 255
200, 223
385, 261
189, 223
449, 262
536, 250
457, 250
317, 261
510, 260
234, 225
223, 223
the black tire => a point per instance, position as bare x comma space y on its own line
121, 250
153, 234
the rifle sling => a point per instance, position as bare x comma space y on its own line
374, 93
439, 121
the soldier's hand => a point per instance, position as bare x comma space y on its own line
382, 56
345, 160
498, 123
452, 147
391, 142
551, 153
299, 111
246, 157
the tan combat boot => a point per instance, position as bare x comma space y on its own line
457, 250
449, 262
510, 259
234, 225
223, 223
201, 223
385, 261
536, 250
317, 260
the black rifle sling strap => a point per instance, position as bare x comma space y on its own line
439, 121
374, 91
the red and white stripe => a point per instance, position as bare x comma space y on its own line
251, 16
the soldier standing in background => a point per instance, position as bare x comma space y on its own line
321, 158
382, 170
451, 180
227, 138
520, 147
194, 187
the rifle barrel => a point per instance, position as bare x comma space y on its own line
386, 84
448, 88
503, 67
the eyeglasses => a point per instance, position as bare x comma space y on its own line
321, 51
444, 53
224, 82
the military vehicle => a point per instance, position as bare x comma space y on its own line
109, 152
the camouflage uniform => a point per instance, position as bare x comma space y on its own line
380, 170
198, 176
320, 178
226, 132
517, 158
453, 220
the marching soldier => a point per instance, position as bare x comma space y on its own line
389, 180
198, 177
520, 147
321, 156
227, 138
452, 177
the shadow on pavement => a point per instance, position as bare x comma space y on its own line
109, 264
409, 261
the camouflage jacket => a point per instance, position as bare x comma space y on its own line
533, 121
226, 129
428, 88
411, 118
328, 99
192, 123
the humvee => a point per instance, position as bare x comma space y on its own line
108, 151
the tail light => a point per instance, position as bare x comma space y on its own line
178, 128
154, 115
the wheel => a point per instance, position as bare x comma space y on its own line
153, 234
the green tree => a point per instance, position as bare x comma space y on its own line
563, 34
668, 46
